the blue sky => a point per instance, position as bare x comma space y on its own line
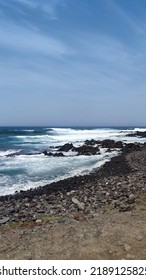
72, 62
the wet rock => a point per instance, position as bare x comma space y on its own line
92, 142
138, 133
87, 150
53, 154
58, 155
111, 144
66, 147
45, 153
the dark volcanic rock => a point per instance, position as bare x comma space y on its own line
66, 147
111, 144
53, 154
58, 155
131, 147
137, 133
141, 134
87, 150
45, 153
91, 142
13, 155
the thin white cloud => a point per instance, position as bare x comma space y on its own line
107, 52
127, 19
10, 6
29, 3
49, 7
30, 42
50, 11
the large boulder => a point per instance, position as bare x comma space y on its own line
111, 144
66, 147
87, 150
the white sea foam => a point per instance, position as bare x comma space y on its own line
140, 129
28, 130
8, 152
72, 135
32, 136
63, 136
40, 170
29, 171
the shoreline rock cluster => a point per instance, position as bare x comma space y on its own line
117, 184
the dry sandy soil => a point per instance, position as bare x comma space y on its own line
110, 235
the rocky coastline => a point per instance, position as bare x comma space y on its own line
97, 216
117, 184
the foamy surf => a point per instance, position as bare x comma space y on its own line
24, 165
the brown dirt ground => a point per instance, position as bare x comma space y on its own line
109, 235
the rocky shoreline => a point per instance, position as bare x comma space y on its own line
117, 184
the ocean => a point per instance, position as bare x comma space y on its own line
23, 164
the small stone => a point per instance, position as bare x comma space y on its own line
17, 208
85, 198
107, 194
127, 247
8, 211
80, 205
4, 220
130, 257
87, 210
139, 238
131, 198
115, 203
78, 217
71, 192
72, 208
40, 211
91, 215
74, 200
62, 221
38, 221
